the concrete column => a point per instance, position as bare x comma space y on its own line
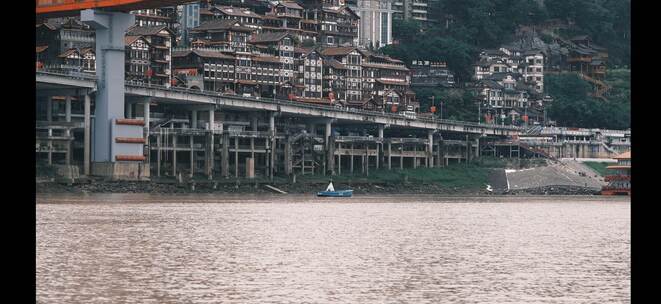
67, 107
430, 149
367, 160
225, 156
174, 155
272, 132
351, 162
193, 123
49, 108
339, 159
362, 161
67, 117
212, 127
330, 153
415, 156
158, 154
87, 145
129, 110
389, 156
110, 28
477, 147
192, 157
212, 119
236, 157
442, 150
252, 140
146, 113
401, 157
288, 159
328, 131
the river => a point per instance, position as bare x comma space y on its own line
138, 248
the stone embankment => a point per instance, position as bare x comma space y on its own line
565, 174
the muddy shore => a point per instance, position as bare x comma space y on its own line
298, 188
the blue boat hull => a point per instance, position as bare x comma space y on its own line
341, 193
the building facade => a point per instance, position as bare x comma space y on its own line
375, 28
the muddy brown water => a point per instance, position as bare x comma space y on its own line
139, 248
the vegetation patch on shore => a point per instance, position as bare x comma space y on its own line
599, 167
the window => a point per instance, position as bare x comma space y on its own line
384, 28
330, 40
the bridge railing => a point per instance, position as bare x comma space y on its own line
59, 71
336, 108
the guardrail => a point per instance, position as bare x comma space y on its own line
318, 107
285, 102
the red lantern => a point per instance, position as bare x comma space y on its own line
149, 72
433, 109
393, 109
525, 118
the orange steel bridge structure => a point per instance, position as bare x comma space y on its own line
62, 8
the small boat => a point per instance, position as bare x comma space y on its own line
330, 192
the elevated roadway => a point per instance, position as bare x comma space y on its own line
53, 82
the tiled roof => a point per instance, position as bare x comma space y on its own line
41, 48
147, 30
222, 24
235, 11
67, 53
334, 64
291, 4
268, 37
490, 84
335, 51
201, 53
128, 40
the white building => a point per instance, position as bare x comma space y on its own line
375, 22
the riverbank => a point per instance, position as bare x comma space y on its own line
458, 179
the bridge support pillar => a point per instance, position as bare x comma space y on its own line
110, 28
430, 148
351, 160
67, 115
330, 148
87, 147
288, 157
210, 160
389, 156
224, 156
468, 150
272, 132
146, 113
339, 159
193, 122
